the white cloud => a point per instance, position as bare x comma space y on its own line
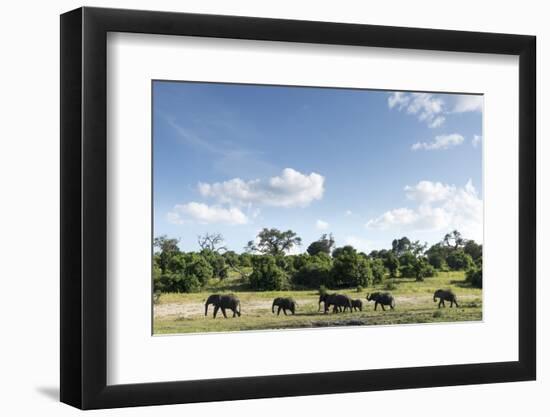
321, 225
476, 140
348, 213
290, 189
359, 243
468, 103
428, 192
203, 213
432, 109
439, 207
427, 107
440, 142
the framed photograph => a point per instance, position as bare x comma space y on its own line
258, 208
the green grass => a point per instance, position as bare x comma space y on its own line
184, 313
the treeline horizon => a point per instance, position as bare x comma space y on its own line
265, 264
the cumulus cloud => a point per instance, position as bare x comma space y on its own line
321, 225
206, 214
290, 189
427, 107
348, 213
468, 103
428, 192
476, 140
432, 109
440, 142
438, 207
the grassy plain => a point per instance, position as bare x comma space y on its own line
184, 313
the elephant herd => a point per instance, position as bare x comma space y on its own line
338, 302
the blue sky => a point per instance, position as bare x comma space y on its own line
367, 166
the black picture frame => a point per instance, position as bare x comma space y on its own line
84, 207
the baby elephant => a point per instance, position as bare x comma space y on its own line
382, 298
445, 295
284, 304
223, 301
356, 305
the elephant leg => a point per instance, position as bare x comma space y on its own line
451, 303
284, 311
223, 312
278, 310
383, 308
375, 306
234, 312
216, 310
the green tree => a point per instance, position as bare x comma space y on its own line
423, 269
350, 269
401, 246
314, 273
274, 242
378, 270
437, 255
323, 245
245, 260
407, 262
196, 267
216, 261
473, 249
391, 262
459, 260
266, 275
167, 248
454, 240
474, 276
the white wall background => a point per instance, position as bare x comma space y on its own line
29, 225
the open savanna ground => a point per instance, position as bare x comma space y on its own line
184, 313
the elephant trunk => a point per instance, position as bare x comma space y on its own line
435, 296
206, 308
273, 307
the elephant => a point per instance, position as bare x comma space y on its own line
223, 301
445, 295
338, 301
382, 298
357, 305
284, 304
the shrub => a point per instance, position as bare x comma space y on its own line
378, 270
197, 268
266, 275
177, 282
390, 285
418, 268
359, 288
474, 277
